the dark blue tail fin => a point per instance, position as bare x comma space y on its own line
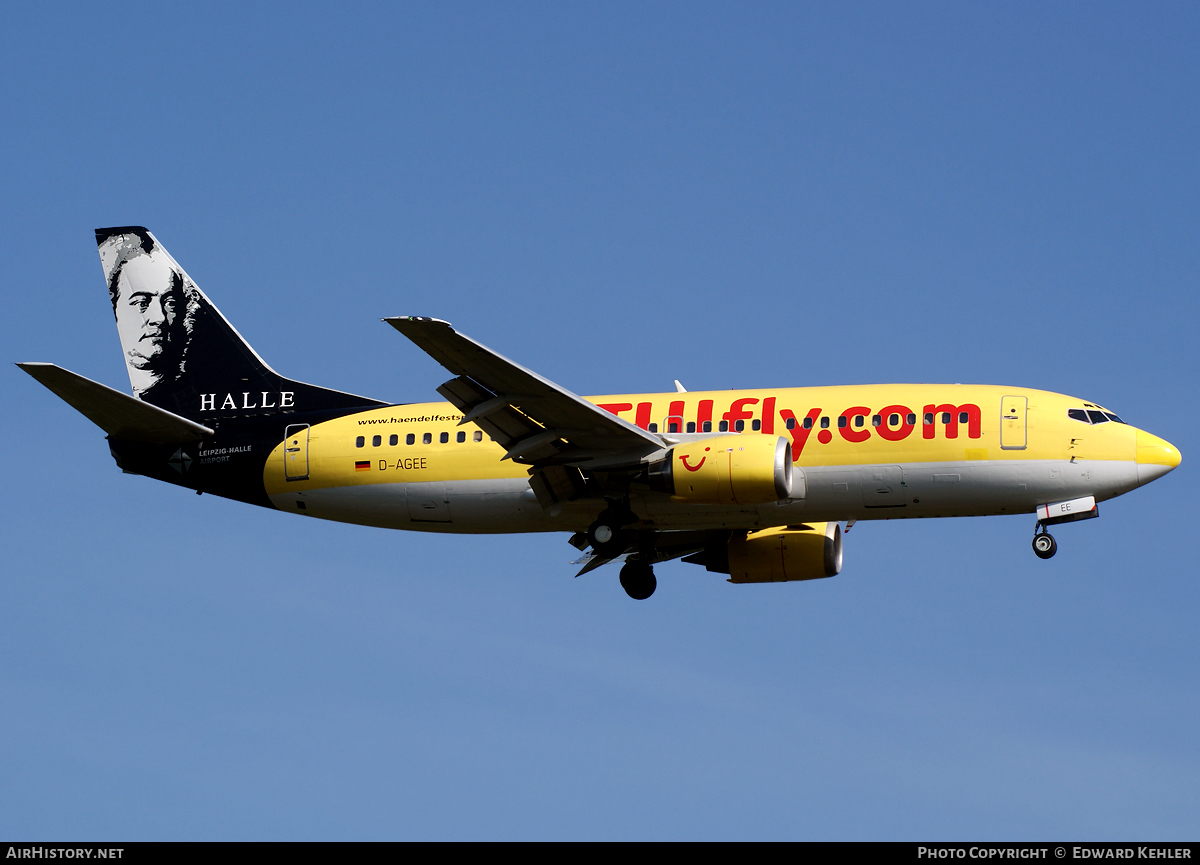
181, 353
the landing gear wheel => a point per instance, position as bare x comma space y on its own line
605, 537
1044, 545
601, 532
637, 579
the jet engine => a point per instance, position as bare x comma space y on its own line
726, 470
805, 552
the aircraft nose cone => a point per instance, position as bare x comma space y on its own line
1155, 457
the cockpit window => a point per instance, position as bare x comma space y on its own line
1092, 416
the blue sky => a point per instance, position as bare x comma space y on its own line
615, 195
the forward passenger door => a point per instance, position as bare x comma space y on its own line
1012, 422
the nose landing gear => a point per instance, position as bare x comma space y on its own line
1044, 545
1057, 513
637, 579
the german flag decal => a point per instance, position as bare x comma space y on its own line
362, 465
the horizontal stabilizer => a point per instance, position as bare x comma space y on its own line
120, 415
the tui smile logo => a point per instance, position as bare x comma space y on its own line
684, 459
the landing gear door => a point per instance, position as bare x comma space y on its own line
295, 452
1012, 422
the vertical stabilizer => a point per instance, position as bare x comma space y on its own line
181, 353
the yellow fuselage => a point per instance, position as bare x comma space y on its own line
861, 452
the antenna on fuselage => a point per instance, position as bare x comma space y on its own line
679, 388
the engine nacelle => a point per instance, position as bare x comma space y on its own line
805, 552
726, 470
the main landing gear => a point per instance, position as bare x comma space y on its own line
1044, 545
637, 579
609, 540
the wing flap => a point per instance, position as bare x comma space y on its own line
514, 404
501, 421
118, 414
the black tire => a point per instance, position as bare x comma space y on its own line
637, 579
1044, 545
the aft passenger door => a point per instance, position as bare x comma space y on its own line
295, 452
1012, 422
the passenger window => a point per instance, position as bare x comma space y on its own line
444, 437
376, 441
427, 438
462, 436
723, 426
859, 420
928, 418
738, 426
824, 423
393, 440
893, 420
1097, 416
410, 439
842, 422
790, 423
756, 425
707, 426
359, 442
653, 427
876, 420
910, 419
478, 435
945, 417
691, 426
963, 417
807, 423
673, 427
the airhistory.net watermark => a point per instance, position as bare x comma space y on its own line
34, 851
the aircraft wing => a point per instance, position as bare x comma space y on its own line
118, 414
536, 421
